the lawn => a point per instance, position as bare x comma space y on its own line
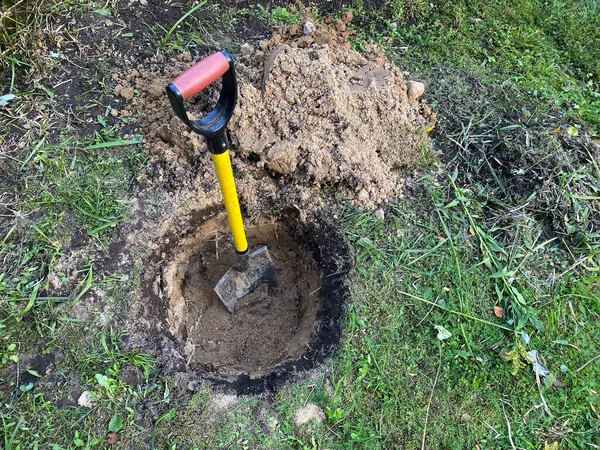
473, 314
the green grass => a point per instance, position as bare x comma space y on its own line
281, 16
391, 353
68, 190
510, 223
169, 32
550, 50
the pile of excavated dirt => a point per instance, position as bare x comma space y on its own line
322, 114
311, 113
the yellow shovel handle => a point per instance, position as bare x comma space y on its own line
232, 205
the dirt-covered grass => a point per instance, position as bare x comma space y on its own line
497, 243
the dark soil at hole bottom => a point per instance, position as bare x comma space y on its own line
270, 326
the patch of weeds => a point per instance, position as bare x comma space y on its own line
426, 267
59, 189
503, 265
550, 174
209, 24
104, 357
111, 400
281, 16
184, 41
87, 181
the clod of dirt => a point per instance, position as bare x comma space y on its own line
309, 413
363, 196
124, 91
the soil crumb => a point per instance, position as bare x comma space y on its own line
308, 413
312, 113
271, 326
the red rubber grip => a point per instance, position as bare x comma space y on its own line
201, 75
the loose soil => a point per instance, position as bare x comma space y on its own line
312, 114
283, 326
270, 326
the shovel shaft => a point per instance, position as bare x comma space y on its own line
232, 205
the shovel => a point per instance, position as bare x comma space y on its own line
254, 268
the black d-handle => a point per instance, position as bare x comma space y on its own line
199, 77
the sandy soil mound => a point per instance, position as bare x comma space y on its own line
322, 114
311, 113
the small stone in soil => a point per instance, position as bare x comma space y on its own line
86, 400
380, 214
309, 27
414, 90
363, 196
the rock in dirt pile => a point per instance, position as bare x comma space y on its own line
311, 112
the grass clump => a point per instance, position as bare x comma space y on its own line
281, 16
24, 27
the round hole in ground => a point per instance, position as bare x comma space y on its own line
281, 327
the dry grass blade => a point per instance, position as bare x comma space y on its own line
512, 444
431, 397
587, 363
